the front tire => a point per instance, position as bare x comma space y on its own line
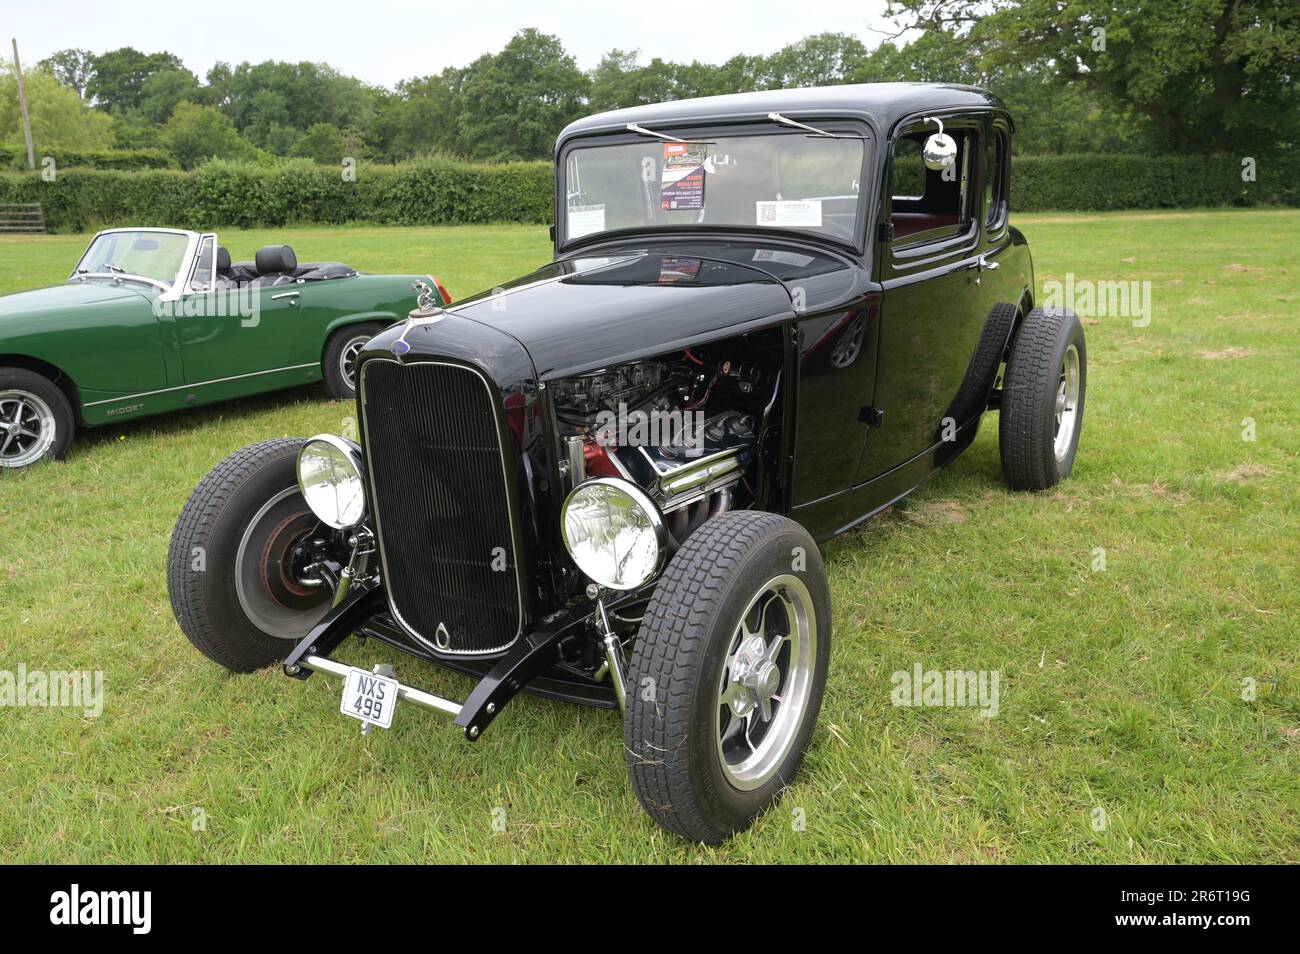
1043, 394
727, 674
339, 361
236, 569
36, 420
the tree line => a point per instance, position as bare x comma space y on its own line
1162, 76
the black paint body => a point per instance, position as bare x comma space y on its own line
851, 435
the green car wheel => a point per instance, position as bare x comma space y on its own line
35, 419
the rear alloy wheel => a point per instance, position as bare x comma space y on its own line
35, 419
1068, 407
339, 365
1043, 393
727, 674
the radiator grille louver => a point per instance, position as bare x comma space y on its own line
441, 504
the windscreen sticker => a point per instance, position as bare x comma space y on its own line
585, 219
674, 270
786, 213
682, 186
784, 258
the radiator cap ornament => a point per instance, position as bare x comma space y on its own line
426, 312
428, 307
425, 301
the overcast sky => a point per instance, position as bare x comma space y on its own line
383, 41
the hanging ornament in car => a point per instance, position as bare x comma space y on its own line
940, 150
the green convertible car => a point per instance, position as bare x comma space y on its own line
155, 320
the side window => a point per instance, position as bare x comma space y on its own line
909, 171
995, 181
201, 279
928, 204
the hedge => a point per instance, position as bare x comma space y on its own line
1107, 182
433, 191
446, 191
124, 160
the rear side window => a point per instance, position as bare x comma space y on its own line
926, 203
995, 180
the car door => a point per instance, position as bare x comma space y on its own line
934, 299
996, 290
230, 330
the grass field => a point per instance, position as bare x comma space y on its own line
1122, 734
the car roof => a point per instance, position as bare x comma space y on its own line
882, 103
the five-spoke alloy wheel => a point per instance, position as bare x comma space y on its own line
727, 674
766, 682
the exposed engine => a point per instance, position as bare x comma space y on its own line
685, 427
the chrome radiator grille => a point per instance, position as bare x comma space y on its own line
441, 505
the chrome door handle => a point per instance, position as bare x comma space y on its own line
292, 296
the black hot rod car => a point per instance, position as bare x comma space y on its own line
769, 316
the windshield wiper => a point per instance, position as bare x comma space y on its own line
787, 121
118, 273
633, 127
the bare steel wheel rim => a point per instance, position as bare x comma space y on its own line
27, 428
1067, 403
766, 683
274, 592
348, 360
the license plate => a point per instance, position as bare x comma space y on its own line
369, 698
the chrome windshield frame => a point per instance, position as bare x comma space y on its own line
170, 291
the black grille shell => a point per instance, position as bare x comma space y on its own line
441, 504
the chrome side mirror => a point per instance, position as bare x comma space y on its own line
940, 150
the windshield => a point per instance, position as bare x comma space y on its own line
774, 180
155, 255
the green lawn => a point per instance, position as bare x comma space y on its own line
1121, 689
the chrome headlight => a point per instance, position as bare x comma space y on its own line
614, 532
330, 477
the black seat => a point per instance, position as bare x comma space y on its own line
233, 273
226, 273
275, 262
